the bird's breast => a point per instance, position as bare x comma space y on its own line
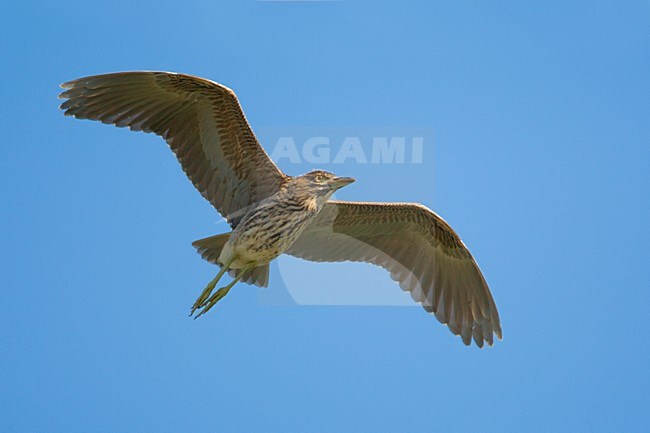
268, 232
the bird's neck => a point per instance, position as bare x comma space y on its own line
301, 201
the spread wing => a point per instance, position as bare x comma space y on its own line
201, 121
421, 252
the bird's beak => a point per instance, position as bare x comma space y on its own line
340, 182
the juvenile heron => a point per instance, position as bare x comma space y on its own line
272, 213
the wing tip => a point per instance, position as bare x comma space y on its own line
67, 85
477, 335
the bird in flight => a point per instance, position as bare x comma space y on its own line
272, 213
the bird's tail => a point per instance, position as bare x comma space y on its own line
210, 249
258, 276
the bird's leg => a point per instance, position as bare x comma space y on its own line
209, 288
207, 305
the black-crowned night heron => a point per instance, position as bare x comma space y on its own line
272, 213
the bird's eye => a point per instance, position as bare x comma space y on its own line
320, 178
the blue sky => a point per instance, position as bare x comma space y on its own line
538, 157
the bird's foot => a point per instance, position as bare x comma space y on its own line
201, 300
210, 302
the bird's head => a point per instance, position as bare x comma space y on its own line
317, 185
322, 183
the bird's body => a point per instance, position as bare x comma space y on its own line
272, 213
270, 228
263, 234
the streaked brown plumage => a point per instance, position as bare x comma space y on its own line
272, 213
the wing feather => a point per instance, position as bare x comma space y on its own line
201, 121
421, 252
